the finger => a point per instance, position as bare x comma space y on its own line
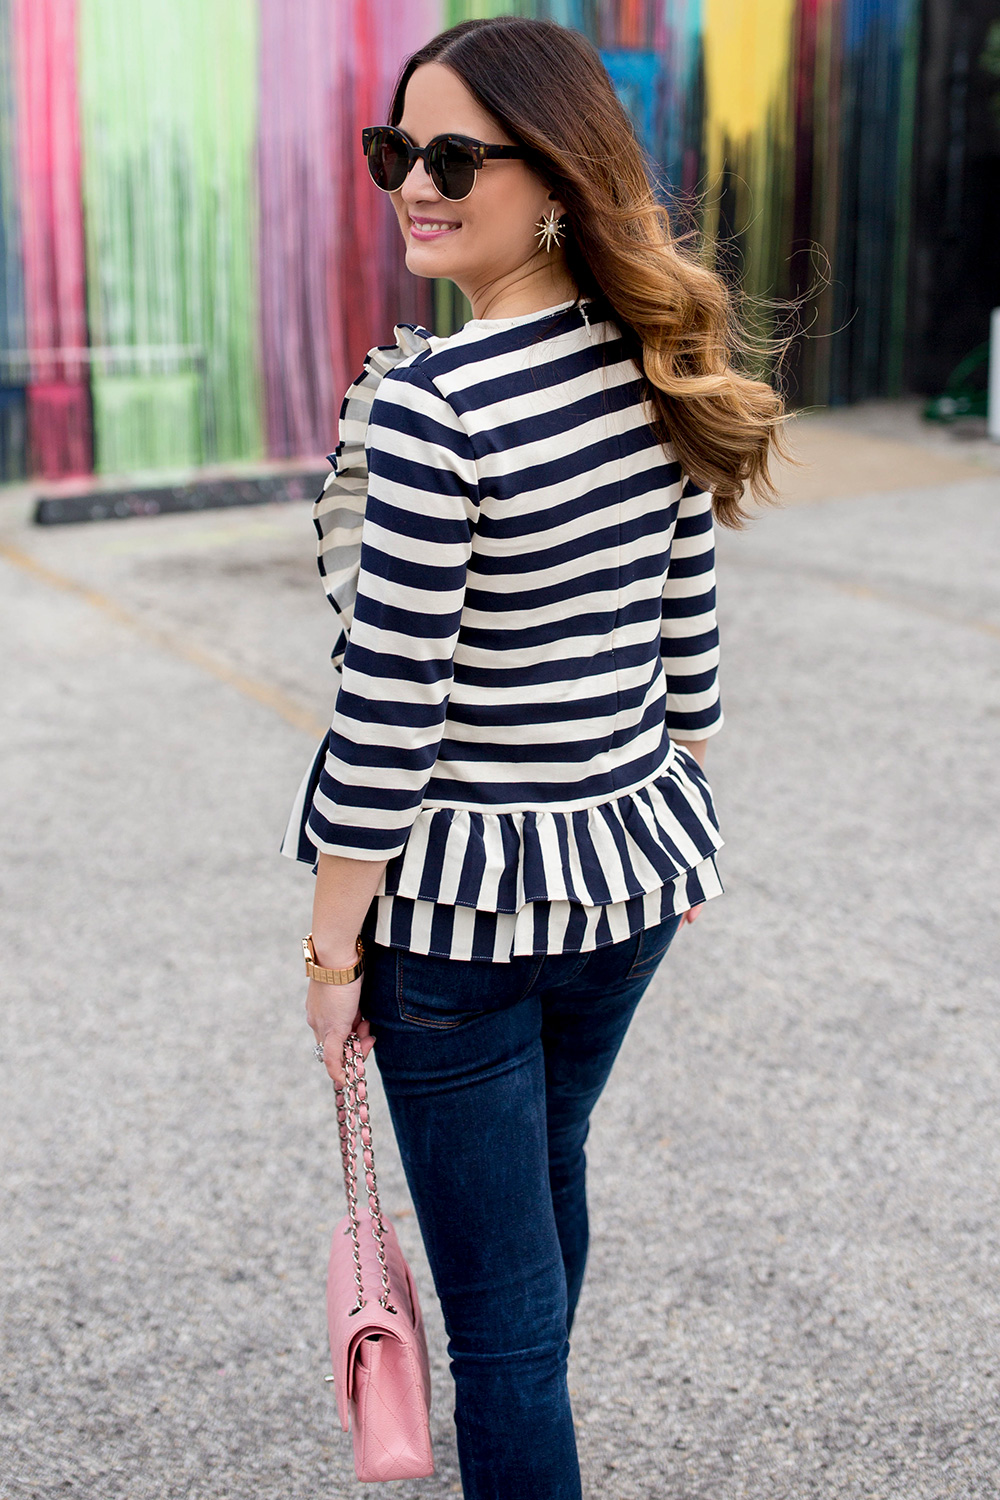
363, 1028
333, 1057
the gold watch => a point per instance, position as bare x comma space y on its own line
331, 976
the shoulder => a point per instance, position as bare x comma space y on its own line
409, 397
422, 358
410, 385
413, 422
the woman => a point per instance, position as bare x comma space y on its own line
510, 807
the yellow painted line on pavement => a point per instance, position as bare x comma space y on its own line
264, 693
884, 596
878, 596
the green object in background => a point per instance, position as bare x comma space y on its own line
168, 104
146, 422
451, 308
964, 395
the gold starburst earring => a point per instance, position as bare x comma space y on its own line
549, 230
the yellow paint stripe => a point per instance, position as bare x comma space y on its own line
878, 596
884, 596
264, 693
293, 713
747, 58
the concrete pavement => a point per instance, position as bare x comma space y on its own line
794, 1172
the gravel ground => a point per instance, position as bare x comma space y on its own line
794, 1171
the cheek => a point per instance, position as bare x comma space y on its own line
496, 246
506, 226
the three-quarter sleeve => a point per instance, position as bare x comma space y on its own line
689, 632
397, 670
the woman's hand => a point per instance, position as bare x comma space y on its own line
332, 1011
691, 915
345, 889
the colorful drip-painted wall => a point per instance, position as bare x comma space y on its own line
193, 259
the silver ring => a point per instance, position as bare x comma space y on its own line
318, 1052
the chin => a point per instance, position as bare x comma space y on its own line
422, 261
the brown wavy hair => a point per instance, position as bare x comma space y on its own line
549, 91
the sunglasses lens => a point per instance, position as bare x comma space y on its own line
453, 169
387, 160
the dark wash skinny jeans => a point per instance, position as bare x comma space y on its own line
491, 1072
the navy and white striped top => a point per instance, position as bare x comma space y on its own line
525, 584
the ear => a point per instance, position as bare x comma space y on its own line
559, 207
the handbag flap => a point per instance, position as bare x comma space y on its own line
348, 1328
388, 1413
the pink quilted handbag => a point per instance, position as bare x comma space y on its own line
378, 1347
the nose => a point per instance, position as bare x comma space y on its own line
418, 185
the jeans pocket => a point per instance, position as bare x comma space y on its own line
444, 993
653, 945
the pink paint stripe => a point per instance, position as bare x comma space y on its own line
300, 166
331, 271
48, 130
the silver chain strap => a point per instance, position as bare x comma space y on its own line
353, 1121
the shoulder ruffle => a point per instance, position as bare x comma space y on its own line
340, 510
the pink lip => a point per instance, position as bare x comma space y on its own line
433, 234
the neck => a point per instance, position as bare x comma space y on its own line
529, 289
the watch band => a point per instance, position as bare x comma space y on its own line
331, 976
